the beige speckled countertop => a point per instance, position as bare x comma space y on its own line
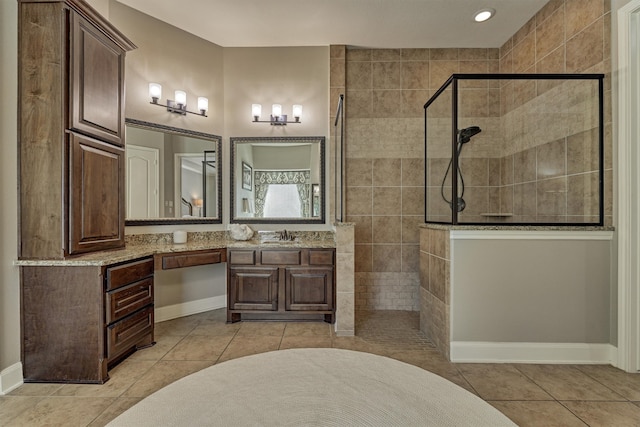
142, 245
532, 227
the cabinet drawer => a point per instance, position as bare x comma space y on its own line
129, 273
275, 257
192, 259
128, 299
320, 257
125, 334
242, 257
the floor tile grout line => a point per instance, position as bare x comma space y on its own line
571, 400
603, 384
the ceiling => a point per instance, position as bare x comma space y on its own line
359, 23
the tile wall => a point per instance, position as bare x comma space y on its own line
385, 93
435, 287
555, 179
536, 163
385, 90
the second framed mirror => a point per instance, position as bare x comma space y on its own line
278, 180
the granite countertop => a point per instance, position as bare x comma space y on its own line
142, 245
531, 227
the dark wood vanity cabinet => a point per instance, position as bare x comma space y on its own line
281, 284
70, 111
77, 321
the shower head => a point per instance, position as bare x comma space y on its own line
464, 135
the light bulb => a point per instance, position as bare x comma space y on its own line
297, 112
203, 104
155, 92
181, 98
276, 110
256, 111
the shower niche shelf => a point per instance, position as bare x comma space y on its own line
496, 215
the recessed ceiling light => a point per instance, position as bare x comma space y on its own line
483, 14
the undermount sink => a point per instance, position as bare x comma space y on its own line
275, 240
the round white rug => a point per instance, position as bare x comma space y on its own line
319, 387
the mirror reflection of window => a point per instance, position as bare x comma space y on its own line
282, 172
282, 201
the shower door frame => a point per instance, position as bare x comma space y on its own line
453, 81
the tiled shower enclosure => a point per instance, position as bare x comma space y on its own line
534, 156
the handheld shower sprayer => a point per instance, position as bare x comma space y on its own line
464, 136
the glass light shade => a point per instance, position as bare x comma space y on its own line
276, 110
181, 97
256, 110
203, 103
483, 15
297, 111
155, 90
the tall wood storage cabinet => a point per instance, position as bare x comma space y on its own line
71, 130
77, 320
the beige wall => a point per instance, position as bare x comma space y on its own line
175, 59
279, 75
551, 291
9, 278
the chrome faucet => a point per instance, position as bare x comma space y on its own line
285, 235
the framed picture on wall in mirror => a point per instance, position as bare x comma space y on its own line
246, 176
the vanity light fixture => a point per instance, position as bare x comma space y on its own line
179, 105
276, 118
198, 204
484, 14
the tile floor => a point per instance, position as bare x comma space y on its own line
531, 395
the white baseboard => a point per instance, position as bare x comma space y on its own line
188, 308
11, 378
515, 352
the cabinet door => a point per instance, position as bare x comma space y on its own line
96, 196
97, 83
253, 288
309, 288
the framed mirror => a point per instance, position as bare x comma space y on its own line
173, 176
278, 180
